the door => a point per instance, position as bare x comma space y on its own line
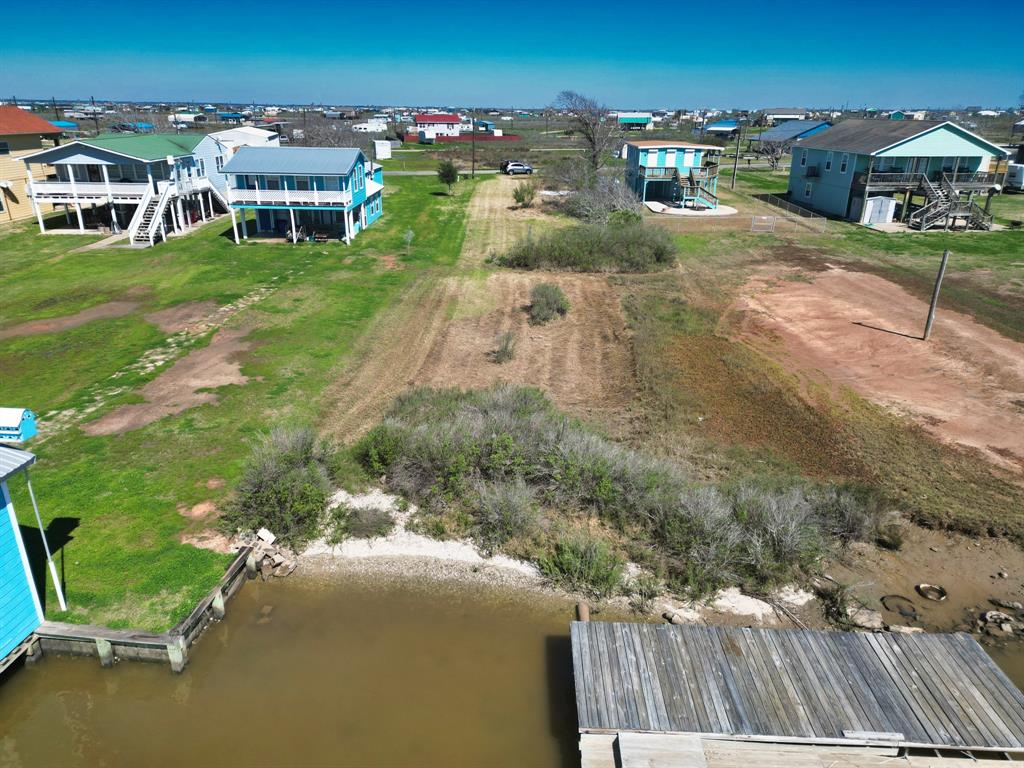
919, 165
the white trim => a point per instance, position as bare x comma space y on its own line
808, 189
803, 158
5, 499
844, 164
828, 160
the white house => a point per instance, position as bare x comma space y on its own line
439, 124
371, 126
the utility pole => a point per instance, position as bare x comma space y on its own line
472, 140
95, 117
736, 157
935, 296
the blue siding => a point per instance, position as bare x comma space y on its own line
18, 614
209, 149
830, 189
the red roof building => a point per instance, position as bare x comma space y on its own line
439, 119
15, 121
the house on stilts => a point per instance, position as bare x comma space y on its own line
151, 185
674, 172
304, 193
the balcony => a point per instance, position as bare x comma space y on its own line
296, 197
92, 191
658, 174
812, 171
899, 180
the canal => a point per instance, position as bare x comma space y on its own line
305, 672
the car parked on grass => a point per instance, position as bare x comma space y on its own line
512, 167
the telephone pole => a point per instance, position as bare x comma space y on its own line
935, 296
736, 158
472, 141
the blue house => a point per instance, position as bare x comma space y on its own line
16, 425
304, 192
723, 128
21, 610
673, 172
859, 170
791, 131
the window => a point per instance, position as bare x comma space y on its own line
803, 158
808, 187
844, 164
218, 161
202, 167
5, 148
828, 161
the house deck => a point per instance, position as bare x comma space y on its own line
795, 686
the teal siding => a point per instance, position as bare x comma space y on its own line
18, 613
830, 189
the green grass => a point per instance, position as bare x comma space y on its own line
123, 564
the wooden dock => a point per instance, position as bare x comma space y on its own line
794, 686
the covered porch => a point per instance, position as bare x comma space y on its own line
297, 223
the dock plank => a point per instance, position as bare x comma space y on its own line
794, 686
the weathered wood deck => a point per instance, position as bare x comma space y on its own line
797, 686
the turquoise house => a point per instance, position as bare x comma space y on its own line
674, 172
924, 174
304, 192
21, 610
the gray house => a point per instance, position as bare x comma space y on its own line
870, 171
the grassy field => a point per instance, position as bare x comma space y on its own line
118, 497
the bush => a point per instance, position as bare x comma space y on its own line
359, 523
524, 194
595, 248
504, 347
642, 590
506, 458
504, 510
584, 564
285, 486
547, 301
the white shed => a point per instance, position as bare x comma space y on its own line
381, 149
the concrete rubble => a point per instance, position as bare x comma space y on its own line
272, 560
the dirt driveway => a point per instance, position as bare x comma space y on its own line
965, 385
442, 330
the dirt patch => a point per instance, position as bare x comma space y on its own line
214, 483
494, 223
110, 309
389, 261
967, 567
182, 317
211, 540
198, 511
179, 387
860, 331
583, 361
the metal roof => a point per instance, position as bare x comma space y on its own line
11, 417
148, 146
670, 144
303, 161
16, 121
789, 130
13, 460
865, 137
917, 690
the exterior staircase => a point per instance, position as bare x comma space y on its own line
146, 223
944, 204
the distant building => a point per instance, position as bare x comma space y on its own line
673, 172
371, 126
858, 168
636, 121
723, 128
439, 124
332, 193
21, 134
778, 114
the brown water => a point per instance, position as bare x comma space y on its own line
348, 674
353, 675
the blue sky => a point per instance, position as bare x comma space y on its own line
895, 53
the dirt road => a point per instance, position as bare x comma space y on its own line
965, 385
443, 329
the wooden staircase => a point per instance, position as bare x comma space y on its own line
944, 204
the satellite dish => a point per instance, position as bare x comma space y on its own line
996, 188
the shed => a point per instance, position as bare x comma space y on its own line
17, 425
381, 149
21, 610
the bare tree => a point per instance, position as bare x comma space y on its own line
772, 151
589, 119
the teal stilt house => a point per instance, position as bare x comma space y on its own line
674, 172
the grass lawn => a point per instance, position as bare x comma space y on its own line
121, 494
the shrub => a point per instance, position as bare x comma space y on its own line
504, 347
504, 510
583, 563
285, 486
359, 523
524, 194
506, 458
642, 590
547, 301
595, 248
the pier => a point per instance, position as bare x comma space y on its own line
664, 695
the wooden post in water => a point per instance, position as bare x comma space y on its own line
582, 612
935, 296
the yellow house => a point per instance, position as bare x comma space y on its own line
21, 133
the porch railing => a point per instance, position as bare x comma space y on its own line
299, 197
86, 189
909, 179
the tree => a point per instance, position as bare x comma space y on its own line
447, 173
772, 151
590, 120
